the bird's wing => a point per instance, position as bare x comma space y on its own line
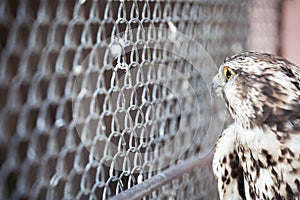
281, 107
227, 168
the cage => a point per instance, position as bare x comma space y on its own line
111, 99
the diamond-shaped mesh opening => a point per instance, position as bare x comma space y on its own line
100, 96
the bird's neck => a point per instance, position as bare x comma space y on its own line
256, 138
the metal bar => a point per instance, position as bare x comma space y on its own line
143, 189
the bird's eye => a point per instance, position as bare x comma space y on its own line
228, 73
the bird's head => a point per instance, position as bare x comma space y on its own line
259, 88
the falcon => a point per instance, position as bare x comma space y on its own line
258, 155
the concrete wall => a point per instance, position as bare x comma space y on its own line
291, 30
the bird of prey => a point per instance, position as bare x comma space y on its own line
258, 155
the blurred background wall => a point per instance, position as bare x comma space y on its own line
291, 30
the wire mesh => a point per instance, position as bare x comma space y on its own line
99, 96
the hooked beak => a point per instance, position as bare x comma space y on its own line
215, 86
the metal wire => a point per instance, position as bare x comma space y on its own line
167, 176
101, 98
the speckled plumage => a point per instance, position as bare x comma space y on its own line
258, 156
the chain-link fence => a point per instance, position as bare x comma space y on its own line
101, 97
